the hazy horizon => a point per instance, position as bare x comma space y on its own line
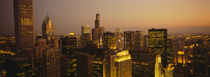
185, 16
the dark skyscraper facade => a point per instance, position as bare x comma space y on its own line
133, 40
157, 40
97, 32
23, 18
86, 36
48, 31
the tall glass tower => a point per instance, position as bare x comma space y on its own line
23, 18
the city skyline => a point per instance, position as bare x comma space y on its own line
127, 15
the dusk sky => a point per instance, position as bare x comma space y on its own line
178, 16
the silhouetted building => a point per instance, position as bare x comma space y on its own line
157, 40
129, 40
86, 36
69, 42
97, 32
48, 31
109, 41
200, 59
84, 65
18, 67
23, 18
133, 40
138, 38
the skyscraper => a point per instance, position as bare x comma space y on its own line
23, 18
157, 40
138, 38
109, 41
51, 62
119, 38
118, 64
84, 65
86, 36
97, 32
48, 31
133, 39
129, 40
40, 46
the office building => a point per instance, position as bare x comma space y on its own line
18, 67
119, 38
97, 32
84, 65
133, 40
157, 40
23, 20
40, 46
138, 40
109, 41
69, 42
86, 36
118, 64
51, 62
48, 31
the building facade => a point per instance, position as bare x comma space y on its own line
23, 18
97, 32
48, 31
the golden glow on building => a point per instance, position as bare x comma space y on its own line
71, 34
6, 52
122, 56
180, 52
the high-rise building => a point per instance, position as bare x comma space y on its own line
97, 32
138, 39
129, 40
133, 40
48, 31
86, 36
118, 64
69, 42
200, 59
40, 46
157, 40
23, 18
84, 65
119, 38
51, 62
109, 41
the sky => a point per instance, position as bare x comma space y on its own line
178, 16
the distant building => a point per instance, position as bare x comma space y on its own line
157, 40
118, 64
97, 32
119, 38
109, 41
133, 40
138, 38
48, 31
23, 18
200, 59
86, 36
129, 40
69, 42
